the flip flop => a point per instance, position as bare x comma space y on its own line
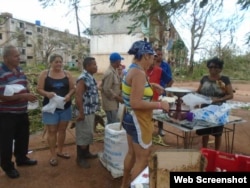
53, 162
63, 155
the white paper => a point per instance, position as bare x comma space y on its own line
54, 102
33, 105
193, 100
13, 88
142, 178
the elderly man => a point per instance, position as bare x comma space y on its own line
111, 88
14, 120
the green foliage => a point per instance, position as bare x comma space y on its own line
236, 67
36, 120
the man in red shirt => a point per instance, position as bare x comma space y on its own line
157, 75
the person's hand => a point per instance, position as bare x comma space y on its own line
80, 117
67, 98
165, 106
50, 94
158, 88
29, 97
215, 99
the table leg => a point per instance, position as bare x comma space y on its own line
186, 139
232, 144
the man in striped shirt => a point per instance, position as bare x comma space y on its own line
14, 120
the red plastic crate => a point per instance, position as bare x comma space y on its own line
225, 162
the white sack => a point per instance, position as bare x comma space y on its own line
213, 113
115, 149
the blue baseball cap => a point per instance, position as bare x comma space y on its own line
115, 57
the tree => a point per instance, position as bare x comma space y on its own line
75, 5
245, 4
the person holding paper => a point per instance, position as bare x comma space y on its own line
56, 82
14, 120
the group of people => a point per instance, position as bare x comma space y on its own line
137, 92
53, 82
138, 89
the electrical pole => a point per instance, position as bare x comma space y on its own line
79, 58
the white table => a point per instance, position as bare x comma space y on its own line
187, 132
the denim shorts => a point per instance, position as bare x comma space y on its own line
129, 126
57, 116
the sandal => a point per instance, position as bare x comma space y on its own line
53, 162
63, 155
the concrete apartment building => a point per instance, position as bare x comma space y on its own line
109, 36
36, 42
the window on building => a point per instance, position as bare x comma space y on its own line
29, 57
1, 36
28, 32
39, 29
29, 45
21, 25
23, 51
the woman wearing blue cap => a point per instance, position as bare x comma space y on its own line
137, 93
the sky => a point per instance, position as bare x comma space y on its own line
59, 16
228, 10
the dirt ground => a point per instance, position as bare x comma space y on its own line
68, 174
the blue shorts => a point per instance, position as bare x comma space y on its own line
129, 126
57, 116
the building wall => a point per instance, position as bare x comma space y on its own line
101, 47
26, 35
109, 36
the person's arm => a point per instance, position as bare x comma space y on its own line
157, 87
229, 94
19, 96
71, 87
199, 88
80, 90
137, 89
169, 84
40, 86
107, 83
167, 79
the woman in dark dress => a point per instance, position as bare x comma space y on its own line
219, 88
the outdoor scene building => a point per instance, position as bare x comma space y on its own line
36, 42
112, 36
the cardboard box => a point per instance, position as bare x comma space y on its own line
163, 162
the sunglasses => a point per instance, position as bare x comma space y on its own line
213, 67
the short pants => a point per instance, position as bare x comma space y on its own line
129, 125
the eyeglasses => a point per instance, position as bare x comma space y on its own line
213, 67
